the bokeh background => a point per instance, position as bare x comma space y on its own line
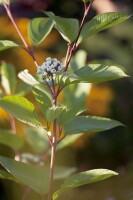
112, 149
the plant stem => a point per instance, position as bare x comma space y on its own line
52, 169
7, 7
73, 46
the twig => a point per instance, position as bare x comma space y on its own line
7, 7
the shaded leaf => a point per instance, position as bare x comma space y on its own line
20, 108
35, 177
7, 138
84, 178
5, 175
7, 44
102, 22
38, 29
8, 78
85, 124
37, 139
22, 89
67, 141
63, 172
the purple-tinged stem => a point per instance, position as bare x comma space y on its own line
7, 7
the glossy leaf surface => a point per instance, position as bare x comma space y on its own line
85, 124
84, 178
39, 28
91, 74
20, 108
102, 22
7, 44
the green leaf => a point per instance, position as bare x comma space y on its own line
102, 22
63, 172
38, 29
30, 80
85, 124
7, 44
27, 78
8, 78
53, 112
5, 175
35, 177
84, 178
22, 89
99, 73
20, 108
68, 28
67, 115
43, 99
7, 138
91, 74
36, 139
78, 60
67, 141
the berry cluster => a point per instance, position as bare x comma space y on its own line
50, 67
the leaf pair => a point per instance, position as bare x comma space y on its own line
39, 28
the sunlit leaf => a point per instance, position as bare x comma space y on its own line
7, 44
53, 112
102, 22
90, 74
35, 177
8, 78
84, 178
67, 115
68, 28
21, 109
30, 80
9, 139
85, 124
27, 77
43, 99
38, 29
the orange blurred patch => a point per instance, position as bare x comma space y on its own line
4, 118
99, 99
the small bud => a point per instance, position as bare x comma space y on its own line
53, 71
49, 68
44, 73
44, 66
39, 71
48, 62
48, 59
55, 60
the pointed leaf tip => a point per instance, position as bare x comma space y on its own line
84, 178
